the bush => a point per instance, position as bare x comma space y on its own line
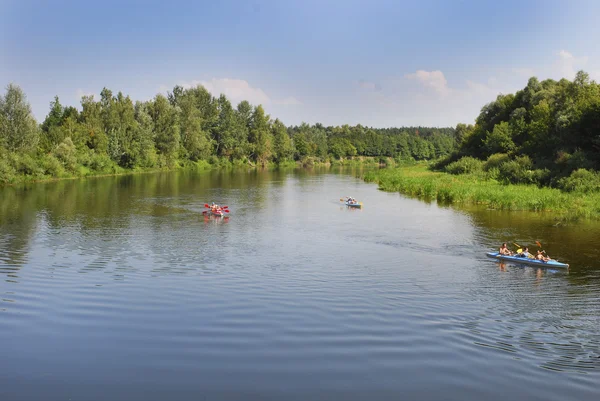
495, 161
52, 166
100, 163
580, 180
518, 171
441, 163
466, 165
66, 153
7, 171
26, 165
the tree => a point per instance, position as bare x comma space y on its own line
260, 137
499, 140
18, 128
282, 144
91, 119
224, 134
145, 135
195, 141
166, 128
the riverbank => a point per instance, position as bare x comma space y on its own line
37, 174
418, 181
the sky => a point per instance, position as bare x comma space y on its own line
377, 63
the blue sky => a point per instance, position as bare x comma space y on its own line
378, 63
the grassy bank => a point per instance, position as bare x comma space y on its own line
419, 181
27, 170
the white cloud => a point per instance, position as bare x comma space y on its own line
523, 72
235, 89
289, 101
368, 85
79, 93
431, 79
567, 64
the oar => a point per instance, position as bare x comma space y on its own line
539, 244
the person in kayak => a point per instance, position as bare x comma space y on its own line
540, 256
504, 250
525, 253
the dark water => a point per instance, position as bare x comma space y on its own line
119, 289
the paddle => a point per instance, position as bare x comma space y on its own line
222, 207
539, 244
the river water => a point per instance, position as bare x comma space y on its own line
119, 288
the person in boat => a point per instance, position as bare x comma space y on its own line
525, 253
504, 250
540, 256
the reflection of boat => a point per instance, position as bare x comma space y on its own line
355, 204
527, 261
217, 212
216, 219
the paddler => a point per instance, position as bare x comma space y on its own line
504, 250
540, 256
525, 253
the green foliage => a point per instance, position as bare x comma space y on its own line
66, 154
189, 128
465, 165
467, 189
18, 129
51, 166
495, 161
500, 139
581, 180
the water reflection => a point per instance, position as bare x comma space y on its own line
127, 272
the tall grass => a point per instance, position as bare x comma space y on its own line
420, 182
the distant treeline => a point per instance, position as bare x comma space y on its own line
547, 134
115, 134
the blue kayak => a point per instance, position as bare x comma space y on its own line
527, 261
357, 204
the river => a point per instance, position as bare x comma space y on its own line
119, 288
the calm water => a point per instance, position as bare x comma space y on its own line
119, 289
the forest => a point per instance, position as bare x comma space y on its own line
189, 127
547, 134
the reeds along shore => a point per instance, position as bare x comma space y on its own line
419, 181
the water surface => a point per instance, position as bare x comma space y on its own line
119, 288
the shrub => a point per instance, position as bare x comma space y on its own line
580, 180
7, 171
52, 166
441, 163
26, 165
65, 152
494, 161
100, 162
466, 165
518, 171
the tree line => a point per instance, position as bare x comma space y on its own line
547, 133
186, 126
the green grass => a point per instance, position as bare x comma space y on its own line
418, 181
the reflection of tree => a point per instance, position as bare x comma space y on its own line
18, 223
